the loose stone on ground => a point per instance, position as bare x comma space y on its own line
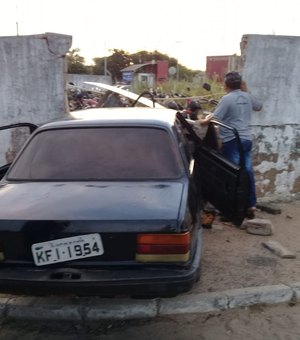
259, 226
279, 249
269, 208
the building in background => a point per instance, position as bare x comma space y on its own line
149, 73
218, 66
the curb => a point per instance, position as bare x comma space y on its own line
235, 298
93, 309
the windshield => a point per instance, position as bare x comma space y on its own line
104, 153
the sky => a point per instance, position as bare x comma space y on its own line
188, 30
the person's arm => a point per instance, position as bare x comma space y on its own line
218, 113
205, 121
256, 104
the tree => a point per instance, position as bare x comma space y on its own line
98, 67
76, 63
118, 60
142, 57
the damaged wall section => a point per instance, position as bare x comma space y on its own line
33, 78
271, 68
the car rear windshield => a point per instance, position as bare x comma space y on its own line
123, 153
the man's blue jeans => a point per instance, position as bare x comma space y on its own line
231, 152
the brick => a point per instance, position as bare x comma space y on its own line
279, 249
259, 226
270, 208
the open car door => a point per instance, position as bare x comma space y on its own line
225, 185
13, 137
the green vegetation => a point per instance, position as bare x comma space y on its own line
76, 63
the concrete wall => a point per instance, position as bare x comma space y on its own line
33, 68
32, 87
270, 65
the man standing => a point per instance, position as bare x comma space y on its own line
234, 109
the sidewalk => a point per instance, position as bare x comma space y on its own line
237, 271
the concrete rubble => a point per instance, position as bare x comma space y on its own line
279, 249
259, 226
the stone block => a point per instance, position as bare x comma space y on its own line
279, 249
258, 226
268, 207
196, 303
258, 295
31, 308
120, 309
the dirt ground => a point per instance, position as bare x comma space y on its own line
233, 258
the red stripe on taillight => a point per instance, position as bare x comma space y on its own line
163, 243
162, 249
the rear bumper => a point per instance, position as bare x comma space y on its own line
150, 281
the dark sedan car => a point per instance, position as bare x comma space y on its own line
110, 204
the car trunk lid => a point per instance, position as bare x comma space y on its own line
91, 201
58, 211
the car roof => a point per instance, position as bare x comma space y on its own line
141, 116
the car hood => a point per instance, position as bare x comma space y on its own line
91, 201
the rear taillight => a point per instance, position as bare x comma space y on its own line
163, 247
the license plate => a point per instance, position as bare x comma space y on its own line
67, 249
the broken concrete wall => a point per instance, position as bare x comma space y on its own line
32, 83
271, 68
33, 77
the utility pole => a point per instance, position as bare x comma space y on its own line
105, 66
177, 74
105, 60
17, 22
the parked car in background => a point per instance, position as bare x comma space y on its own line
109, 203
